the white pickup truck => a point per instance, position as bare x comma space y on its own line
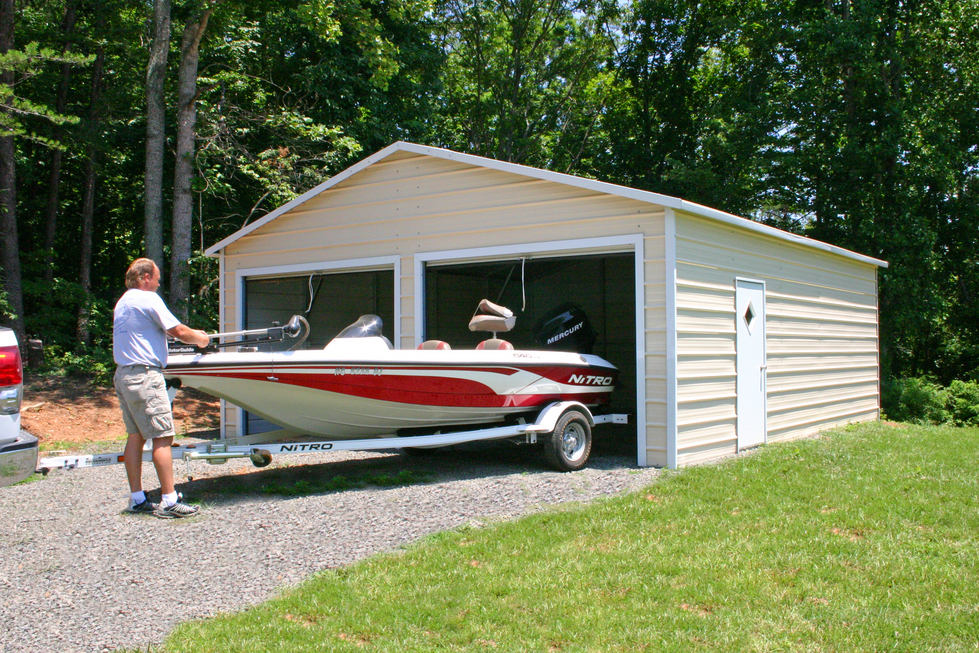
18, 449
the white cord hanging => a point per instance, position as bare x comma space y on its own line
523, 283
311, 295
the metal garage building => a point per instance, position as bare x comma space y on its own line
728, 333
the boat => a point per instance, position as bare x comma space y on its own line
359, 386
359, 393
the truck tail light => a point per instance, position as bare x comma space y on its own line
11, 380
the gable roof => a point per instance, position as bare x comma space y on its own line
557, 177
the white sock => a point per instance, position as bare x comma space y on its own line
137, 497
169, 499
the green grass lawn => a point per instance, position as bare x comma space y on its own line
862, 540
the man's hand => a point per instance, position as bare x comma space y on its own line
184, 333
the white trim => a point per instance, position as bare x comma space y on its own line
640, 361
222, 302
634, 243
359, 264
392, 263
880, 390
671, 355
529, 250
589, 184
610, 244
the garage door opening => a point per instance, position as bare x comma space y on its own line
329, 302
602, 286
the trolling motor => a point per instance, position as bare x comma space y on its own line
297, 324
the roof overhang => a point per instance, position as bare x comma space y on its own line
557, 177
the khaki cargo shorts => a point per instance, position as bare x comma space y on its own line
142, 393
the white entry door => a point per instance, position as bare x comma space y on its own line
751, 386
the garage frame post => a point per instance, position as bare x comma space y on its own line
671, 358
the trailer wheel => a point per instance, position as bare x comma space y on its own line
568, 446
261, 458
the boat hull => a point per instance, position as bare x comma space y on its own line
351, 396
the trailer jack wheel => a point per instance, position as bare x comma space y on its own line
261, 458
568, 446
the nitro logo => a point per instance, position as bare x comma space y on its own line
581, 379
306, 446
565, 334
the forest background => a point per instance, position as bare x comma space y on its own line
160, 127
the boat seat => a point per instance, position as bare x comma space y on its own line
493, 318
434, 344
494, 344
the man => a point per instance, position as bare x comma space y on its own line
141, 322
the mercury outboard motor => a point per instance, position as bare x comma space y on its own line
566, 328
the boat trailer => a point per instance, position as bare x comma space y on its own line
563, 427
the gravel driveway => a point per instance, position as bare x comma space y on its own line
79, 574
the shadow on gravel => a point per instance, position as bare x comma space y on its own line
391, 469
394, 469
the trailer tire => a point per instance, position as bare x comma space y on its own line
568, 446
261, 458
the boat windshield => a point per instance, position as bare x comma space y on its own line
365, 327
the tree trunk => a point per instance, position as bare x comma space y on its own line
51, 211
8, 193
155, 132
183, 199
88, 202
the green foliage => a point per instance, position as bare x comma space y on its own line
525, 82
5, 312
204, 298
94, 363
924, 401
52, 310
27, 62
963, 402
918, 400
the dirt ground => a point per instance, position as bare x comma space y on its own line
69, 412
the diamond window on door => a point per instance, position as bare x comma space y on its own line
749, 316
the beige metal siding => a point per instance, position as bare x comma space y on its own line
654, 310
408, 204
821, 336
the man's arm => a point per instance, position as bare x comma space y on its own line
184, 333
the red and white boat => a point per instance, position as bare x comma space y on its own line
359, 386
359, 393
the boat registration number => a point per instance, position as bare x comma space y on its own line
363, 371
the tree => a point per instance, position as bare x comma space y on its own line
13, 109
51, 210
156, 132
88, 200
525, 78
8, 178
183, 200
294, 93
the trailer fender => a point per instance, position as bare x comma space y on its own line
547, 420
